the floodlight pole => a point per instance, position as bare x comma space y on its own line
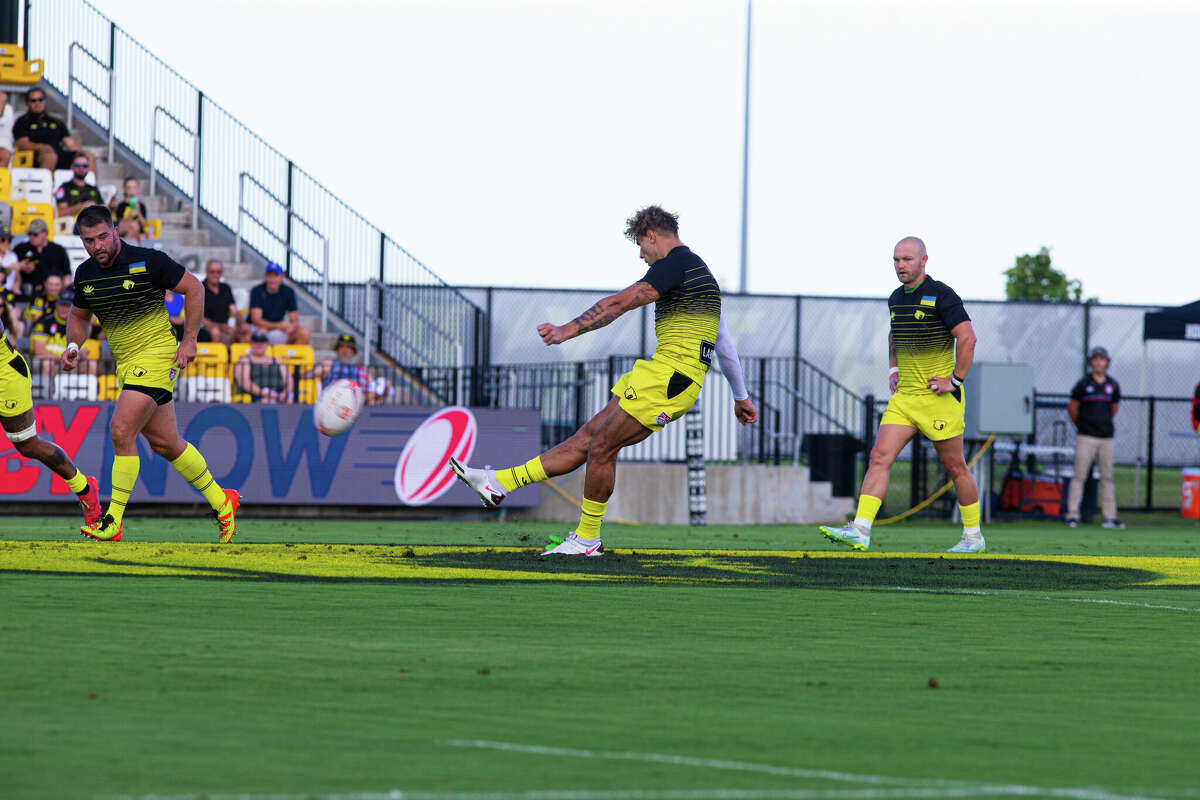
746, 147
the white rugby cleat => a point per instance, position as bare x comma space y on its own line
482, 482
972, 544
575, 546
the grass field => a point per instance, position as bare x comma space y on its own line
445, 661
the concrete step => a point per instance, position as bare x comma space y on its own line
186, 236
175, 219
181, 252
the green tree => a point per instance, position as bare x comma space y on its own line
1033, 278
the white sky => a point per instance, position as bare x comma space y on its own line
506, 143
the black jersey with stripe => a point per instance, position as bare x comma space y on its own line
921, 319
129, 298
687, 313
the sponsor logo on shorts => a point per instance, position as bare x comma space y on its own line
939, 424
663, 418
137, 372
630, 394
10, 403
171, 374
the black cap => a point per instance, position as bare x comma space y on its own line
66, 296
259, 336
346, 338
1099, 351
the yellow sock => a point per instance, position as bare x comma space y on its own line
970, 515
77, 483
124, 476
194, 470
590, 519
516, 477
868, 507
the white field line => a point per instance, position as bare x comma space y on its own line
913, 793
914, 787
1047, 598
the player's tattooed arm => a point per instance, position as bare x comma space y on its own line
601, 314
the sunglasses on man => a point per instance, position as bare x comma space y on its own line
37, 99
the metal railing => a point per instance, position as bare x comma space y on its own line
396, 330
297, 219
73, 78
243, 211
156, 144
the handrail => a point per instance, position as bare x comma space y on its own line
373, 319
72, 80
804, 401
154, 143
237, 253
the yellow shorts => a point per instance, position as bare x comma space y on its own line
16, 388
154, 370
937, 416
655, 393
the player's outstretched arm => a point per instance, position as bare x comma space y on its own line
731, 367
601, 314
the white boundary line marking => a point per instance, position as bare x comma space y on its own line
914, 793
919, 787
1047, 598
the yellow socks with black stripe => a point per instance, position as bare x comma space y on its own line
970, 519
194, 470
868, 507
124, 476
78, 483
592, 514
529, 472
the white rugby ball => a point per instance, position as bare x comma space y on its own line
338, 407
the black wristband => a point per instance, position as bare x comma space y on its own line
957, 381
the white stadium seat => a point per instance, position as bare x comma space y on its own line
206, 390
31, 185
76, 387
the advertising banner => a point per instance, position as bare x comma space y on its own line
394, 455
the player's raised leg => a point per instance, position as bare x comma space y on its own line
133, 410
950, 452
493, 485
162, 432
22, 432
889, 441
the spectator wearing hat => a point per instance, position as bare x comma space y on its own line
261, 375
220, 308
46, 135
40, 257
48, 337
1092, 407
344, 366
77, 194
273, 309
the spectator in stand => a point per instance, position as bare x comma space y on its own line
273, 309
1196, 409
39, 257
10, 289
220, 308
6, 129
42, 302
46, 136
1092, 407
261, 375
77, 194
344, 366
48, 337
130, 212
174, 304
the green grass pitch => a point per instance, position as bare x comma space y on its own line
444, 661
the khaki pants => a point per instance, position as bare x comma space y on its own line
1089, 449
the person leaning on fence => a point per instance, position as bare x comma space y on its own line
1092, 407
261, 375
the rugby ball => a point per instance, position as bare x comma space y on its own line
338, 407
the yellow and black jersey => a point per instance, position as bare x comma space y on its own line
129, 299
687, 313
922, 318
50, 331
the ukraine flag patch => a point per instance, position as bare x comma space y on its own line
141, 267
925, 301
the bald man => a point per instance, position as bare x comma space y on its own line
930, 349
